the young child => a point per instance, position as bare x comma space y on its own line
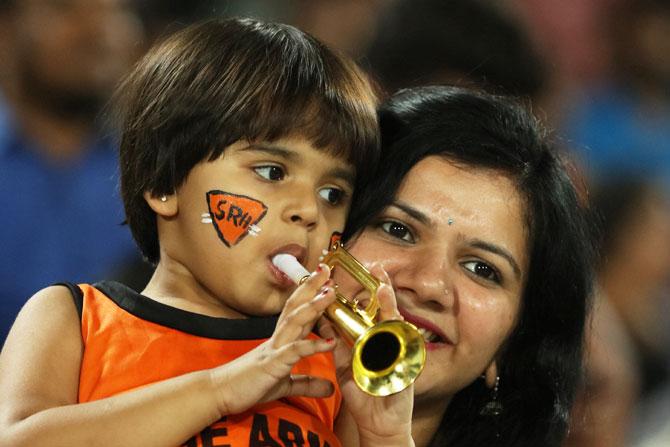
240, 140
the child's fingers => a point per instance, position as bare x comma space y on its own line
306, 291
298, 323
342, 352
291, 353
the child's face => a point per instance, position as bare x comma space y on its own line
237, 212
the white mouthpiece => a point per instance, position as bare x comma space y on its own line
290, 266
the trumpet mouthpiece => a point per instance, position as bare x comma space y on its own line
290, 266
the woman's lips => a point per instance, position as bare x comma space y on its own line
433, 336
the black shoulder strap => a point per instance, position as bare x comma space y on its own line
77, 295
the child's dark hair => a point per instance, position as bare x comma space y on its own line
225, 80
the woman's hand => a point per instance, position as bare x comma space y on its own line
380, 420
264, 374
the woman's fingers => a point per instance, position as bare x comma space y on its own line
308, 386
326, 328
385, 294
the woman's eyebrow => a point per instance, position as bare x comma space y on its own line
412, 212
496, 249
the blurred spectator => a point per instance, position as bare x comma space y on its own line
61, 215
603, 412
653, 421
456, 41
635, 271
622, 126
636, 275
348, 25
627, 360
573, 35
161, 18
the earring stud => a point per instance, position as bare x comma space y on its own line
163, 198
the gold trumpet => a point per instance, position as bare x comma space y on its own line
387, 356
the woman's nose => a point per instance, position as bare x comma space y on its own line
431, 281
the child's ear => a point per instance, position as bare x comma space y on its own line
163, 205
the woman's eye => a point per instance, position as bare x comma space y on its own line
482, 270
397, 230
332, 195
270, 172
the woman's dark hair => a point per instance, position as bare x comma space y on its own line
224, 80
540, 364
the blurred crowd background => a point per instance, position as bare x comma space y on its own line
596, 71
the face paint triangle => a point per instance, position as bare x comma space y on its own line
232, 215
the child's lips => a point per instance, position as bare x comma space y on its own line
280, 278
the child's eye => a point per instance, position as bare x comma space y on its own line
332, 195
483, 270
270, 172
397, 230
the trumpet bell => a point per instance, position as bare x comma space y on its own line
388, 357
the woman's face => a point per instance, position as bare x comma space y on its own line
454, 244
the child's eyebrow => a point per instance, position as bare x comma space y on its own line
344, 174
278, 151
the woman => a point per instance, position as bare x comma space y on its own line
489, 252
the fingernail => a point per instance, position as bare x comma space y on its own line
321, 267
322, 292
330, 340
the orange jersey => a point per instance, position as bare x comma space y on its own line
131, 341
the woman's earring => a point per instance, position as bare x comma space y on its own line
163, 198
493, 407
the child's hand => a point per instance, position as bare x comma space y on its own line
264, 374
380, 420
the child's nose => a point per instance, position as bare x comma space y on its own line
303, 210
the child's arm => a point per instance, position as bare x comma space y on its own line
364, 420
39, 376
